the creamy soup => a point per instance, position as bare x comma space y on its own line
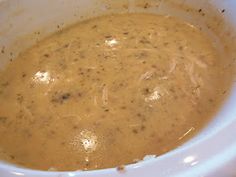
108, 91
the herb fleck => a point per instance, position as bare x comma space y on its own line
121, 168
135, 131
3, 119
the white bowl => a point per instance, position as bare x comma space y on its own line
212, 152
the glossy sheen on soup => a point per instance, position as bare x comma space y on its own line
107, 92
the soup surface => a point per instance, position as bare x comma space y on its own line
107, 92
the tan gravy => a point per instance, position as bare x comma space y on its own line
108, 91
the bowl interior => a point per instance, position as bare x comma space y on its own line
23, 23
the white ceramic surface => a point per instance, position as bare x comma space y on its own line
210, 154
